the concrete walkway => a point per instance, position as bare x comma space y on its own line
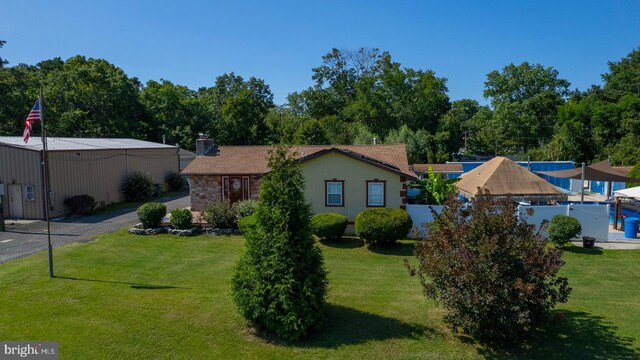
613, 244
616, 241
26, 237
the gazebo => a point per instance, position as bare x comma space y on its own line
502, 177
600, 171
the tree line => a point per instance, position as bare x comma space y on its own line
357, 96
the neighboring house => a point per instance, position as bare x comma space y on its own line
449, 170
96, 167
343, 179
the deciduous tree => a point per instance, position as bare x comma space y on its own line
496, 278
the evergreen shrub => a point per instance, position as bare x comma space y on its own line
151, 214
329, 225
383, 225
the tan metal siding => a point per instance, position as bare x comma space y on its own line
18, 166
98, 173
156, 162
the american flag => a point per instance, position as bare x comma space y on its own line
34, 116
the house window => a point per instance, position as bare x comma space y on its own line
246, 194
376, 193
30, 193
334, 190
225, 188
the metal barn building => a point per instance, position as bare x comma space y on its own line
77, 166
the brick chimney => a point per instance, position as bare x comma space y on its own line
206, 146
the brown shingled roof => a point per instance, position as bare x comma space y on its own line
252, 160
438, 168
502, 176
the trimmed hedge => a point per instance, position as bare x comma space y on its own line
181, 219
563, 228
220, 214
151, 214
80, 204
382, 225
138, 186
174, 181
247, 223
329, 225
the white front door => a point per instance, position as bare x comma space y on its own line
15, 201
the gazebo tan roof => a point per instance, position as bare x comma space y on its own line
502, 177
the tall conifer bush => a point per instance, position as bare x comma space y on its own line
280, 283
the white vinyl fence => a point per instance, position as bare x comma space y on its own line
421, 216
593, 218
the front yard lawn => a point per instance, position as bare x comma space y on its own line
136, 297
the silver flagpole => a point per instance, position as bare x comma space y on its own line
45, 172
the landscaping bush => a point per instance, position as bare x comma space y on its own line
157, 190
244, 208
247, 223
220, 214
181, 219
563, 228
138, 186
382, 225
174, 181
80, 204
329, 225
490, 270
280, 283
151, 214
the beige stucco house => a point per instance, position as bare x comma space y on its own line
343, 179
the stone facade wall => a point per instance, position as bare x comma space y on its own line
203, 190
207, 188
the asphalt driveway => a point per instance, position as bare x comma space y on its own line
26, 238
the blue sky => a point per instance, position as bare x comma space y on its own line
192, 42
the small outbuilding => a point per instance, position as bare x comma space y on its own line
77, 166
503, 177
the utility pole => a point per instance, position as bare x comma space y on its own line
1, 207
582, 176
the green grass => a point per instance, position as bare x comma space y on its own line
125, 297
